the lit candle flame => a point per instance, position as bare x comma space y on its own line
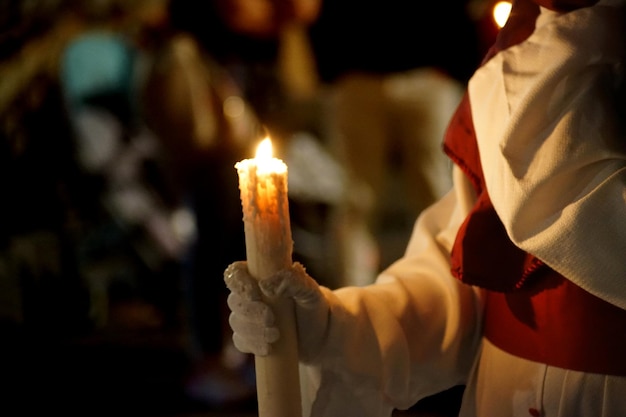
265, 162
264, 150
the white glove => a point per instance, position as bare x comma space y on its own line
252, 319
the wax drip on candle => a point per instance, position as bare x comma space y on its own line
263, 184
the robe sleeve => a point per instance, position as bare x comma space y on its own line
412, 333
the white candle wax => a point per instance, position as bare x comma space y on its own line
263, 189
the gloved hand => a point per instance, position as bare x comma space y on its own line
252, 319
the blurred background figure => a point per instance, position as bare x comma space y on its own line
71, 271
134, 247
264, 45
39, 179
193, 104
395, 72
119, 136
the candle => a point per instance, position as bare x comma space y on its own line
263, 189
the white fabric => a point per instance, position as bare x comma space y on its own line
553, 154
413, 333
507, 386
555, 171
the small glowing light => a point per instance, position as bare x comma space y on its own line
501, 11
184, 224
233, 107
264, 150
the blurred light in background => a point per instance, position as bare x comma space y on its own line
489, 17
234, 107
501, 11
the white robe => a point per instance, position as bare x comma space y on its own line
555, 166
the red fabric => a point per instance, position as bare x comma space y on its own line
557, 323
531, 311
460, 144
483, 254
486, 257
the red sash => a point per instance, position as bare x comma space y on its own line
557, 323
